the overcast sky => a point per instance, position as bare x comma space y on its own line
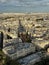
25, 3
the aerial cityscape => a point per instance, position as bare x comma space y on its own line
24, 39
24, 32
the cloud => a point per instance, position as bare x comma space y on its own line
3, 1
26, 2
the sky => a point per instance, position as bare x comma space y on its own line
24, 5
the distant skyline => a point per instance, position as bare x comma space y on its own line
24, 6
